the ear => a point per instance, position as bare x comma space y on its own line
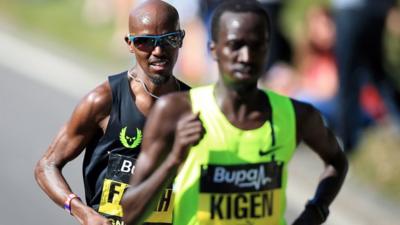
211, 46
129, 43
183, 37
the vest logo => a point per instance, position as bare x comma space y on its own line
255, 177
241, 178
130, 142
268, 151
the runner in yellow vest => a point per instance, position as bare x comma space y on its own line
227, 146
235, 174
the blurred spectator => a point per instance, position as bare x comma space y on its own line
280, 49
316, 64
359, 51
314, 76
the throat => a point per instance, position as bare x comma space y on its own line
152, 88
247, 119
159, 80
245, 112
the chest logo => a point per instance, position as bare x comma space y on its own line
130, 142
268, 151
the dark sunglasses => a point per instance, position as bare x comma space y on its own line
149, 42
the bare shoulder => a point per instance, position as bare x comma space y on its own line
96, 105
308, 119
84, 123
100, 97
304, 110
174, 104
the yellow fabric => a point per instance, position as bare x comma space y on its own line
235, 176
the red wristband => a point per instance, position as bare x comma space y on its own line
67, 203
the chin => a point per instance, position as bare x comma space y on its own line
245, 81
159, 79
244, 87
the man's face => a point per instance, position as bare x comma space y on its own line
241, 48
157, 62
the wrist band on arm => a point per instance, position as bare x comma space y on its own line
67, 203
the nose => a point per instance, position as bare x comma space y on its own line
244, 54
158, 51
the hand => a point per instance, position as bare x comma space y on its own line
307, 217
188, 133
94, 218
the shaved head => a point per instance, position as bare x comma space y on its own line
152, 14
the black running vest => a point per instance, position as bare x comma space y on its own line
110, 158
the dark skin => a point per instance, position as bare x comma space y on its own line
92, 114
241, 53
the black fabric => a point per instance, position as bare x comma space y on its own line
124, 113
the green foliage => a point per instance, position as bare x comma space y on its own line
293, 16
62, 21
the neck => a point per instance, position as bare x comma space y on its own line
152, 87
236, 96
245, 108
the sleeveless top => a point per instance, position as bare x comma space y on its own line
236, 176
110, 159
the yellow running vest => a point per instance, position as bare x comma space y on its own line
236, 176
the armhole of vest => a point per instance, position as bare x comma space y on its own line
199, 97
289, 110
184, 86
115, 82
193, 102
294, 123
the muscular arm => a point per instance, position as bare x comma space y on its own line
170, 130
311, 130
68, 144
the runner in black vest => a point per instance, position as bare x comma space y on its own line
108, 122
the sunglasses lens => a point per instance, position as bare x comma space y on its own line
144, 43
174, 40
148, 43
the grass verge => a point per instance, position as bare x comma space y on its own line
376, 161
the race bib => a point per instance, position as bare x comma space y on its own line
119, 170
240, 194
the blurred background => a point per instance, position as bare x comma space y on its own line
343, 56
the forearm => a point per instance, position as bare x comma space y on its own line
140, 199
331, 180
317, 209
49, 177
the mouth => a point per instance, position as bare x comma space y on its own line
159, 65
243, 73
243, 68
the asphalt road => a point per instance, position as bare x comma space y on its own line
30, 115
